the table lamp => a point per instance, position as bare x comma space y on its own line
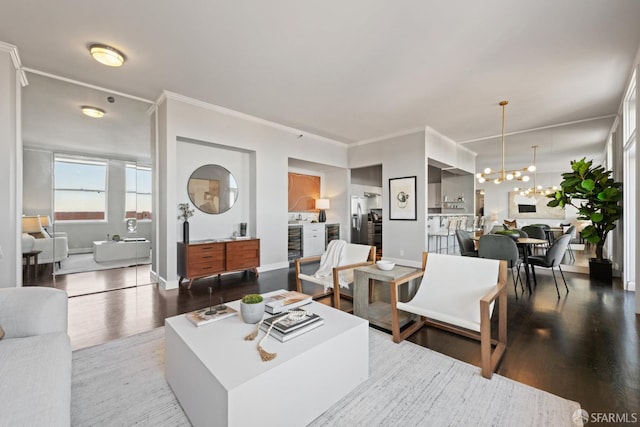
31, 225
45, 222
322, 204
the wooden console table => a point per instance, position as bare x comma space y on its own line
209, 257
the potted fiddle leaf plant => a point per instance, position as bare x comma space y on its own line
598, 198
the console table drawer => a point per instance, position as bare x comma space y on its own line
241, 255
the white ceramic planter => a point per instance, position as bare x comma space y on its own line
252, 313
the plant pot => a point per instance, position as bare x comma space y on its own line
601, 270
252, 313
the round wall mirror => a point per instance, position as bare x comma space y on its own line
212, 189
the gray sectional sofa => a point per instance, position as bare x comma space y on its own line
35, 358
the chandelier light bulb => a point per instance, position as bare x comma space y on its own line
532, 168
487, 170
478, 175
509, 177
481, 180
539, 187
554, 188
525, 178
497, 181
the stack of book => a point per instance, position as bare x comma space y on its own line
285, 330
285, 300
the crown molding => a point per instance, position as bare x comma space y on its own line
556, 125
233, 113
15, 58
388, 136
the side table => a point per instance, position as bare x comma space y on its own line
379, 313
28, 256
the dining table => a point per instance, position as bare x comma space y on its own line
525, 243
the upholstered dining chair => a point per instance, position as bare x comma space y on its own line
457, 294
552, 259
536, 232
571, 231
336, 268
466, 244
496, 246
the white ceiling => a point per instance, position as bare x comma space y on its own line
361, 69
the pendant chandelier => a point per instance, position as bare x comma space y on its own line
536, 189
498, 176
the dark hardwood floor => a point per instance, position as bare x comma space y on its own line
582, 347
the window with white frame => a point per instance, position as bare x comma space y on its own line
79, 189
629, 189
138, 199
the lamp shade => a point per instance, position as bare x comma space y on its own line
322, 204
31, 224
45, 221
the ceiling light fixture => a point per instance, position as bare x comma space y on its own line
498, 176
90, 111
536, 189
107, 55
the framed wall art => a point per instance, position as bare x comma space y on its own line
402, 199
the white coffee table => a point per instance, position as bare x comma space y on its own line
220, 380
104, 251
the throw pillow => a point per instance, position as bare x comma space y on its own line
1, 333
511, 224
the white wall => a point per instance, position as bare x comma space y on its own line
10, 170
192, 155
180, 117
399, 156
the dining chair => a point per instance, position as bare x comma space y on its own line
571, 231
457, 294
501, 247
466, 244
552, 259
536, 232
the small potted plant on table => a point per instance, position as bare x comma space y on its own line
252, 308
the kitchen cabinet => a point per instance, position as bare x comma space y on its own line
313, 239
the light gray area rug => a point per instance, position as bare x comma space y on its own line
79, 263
121, 383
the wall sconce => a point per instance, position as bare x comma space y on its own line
322, 204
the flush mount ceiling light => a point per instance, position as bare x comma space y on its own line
95, 112
498, 176
107, 55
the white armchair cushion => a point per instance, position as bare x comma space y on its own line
451, 289
52, 249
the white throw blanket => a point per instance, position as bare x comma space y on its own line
333, 257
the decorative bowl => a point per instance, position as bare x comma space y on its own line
385, 265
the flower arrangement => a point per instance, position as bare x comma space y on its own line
185, 212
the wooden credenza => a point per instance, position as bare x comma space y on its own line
206, 258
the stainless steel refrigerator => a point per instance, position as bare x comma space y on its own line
359, 219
